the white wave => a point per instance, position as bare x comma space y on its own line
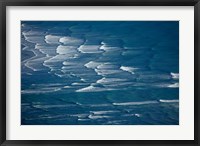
39, 60
52, 39
36, 64
98, 117
66, 50
110, 80
135, 103
26, 48
35, 39
71, 68
67, 87
137, 115
103, 68
175, 75
79, 84
169, 101
71, 41
48, 50
99, 105
80, 115
33, 33
23, 25
30, 67
103, 112
50, 106
34, 36
67, 63
83, 119
128, 69
27, 73
106, 72
107, 65
92, 89
89, 49
38, 91
84, 80
57, 58
47, 84
92, 64
175, 85
108, 48
60, 75
48, 117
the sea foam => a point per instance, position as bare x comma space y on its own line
66, 50
52, 39
89, 49
135, 103
169, 101
128, 69
175, 75
71, 41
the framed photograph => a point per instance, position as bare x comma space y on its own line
99, 72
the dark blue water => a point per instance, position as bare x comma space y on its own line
100, 73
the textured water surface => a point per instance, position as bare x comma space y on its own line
100, 72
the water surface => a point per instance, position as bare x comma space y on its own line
100, 72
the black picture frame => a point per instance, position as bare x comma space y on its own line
5, 3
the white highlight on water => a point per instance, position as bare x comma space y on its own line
135, 103
175, 85
175, 75
71, 41
169, 101
128, 69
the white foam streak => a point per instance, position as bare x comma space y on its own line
67, 87
51, 39
99, 105
79, 84
128, 69
169, 101
103, 112
107, 65
66, 50
48, 50
71, 41
135, 103
40, 91
108, 48
89, 49
93, 89
57, 58
137, 115
109, 80
50, 106
68, 63
98, 117
175, 75
106, 72
36, 64
92, 64
175, 85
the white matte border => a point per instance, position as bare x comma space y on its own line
183, 131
